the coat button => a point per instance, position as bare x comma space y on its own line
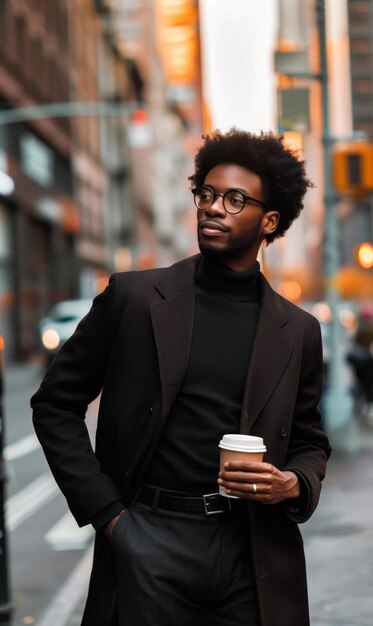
284, 431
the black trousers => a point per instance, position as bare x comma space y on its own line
184, 569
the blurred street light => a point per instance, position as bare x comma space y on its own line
349, 320
353, 283
364, 255
291, 290
6, 184
322, 311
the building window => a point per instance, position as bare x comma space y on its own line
3, 22
20, 31
37, 160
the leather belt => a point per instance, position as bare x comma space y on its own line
209, 504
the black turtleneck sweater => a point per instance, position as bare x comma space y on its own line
209, 402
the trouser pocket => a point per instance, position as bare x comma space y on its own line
120, 526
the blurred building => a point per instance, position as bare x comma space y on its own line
99, 185
160, 41
40, 218
56, 248
295, 263
51, 225
281, 90
99, 75
360, 13
350, 88
358, 212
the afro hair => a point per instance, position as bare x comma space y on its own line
281, 171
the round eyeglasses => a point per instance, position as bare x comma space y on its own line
233, 199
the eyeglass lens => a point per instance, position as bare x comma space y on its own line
233, 200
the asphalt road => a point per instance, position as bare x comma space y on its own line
46, 547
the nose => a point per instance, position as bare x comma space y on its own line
217, 207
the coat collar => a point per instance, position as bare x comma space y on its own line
175, 279
172, 320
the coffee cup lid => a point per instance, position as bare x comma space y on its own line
242, 443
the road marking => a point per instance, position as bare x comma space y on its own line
24, 503
66, 534
70, 594
21, 448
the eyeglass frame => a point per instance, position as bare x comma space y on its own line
215, 194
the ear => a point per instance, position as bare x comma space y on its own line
270, 222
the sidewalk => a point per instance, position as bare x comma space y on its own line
338, 543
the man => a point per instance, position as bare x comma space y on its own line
183, 355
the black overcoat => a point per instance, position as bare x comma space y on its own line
133, 347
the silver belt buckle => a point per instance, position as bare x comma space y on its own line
206, 504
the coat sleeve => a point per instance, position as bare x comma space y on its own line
309, 447
75, 378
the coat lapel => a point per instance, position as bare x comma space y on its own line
172, 320
271, 353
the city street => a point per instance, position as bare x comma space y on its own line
133, 134
339, 541
50, 555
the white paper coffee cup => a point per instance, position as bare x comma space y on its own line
237, 447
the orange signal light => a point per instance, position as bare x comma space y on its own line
353, 167
364, 255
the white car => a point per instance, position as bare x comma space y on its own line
60, 323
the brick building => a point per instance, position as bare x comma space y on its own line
360, 13
37, 261
55, 227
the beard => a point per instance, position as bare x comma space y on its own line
233, 246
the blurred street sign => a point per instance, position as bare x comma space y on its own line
294, 110
292, 62
140, 132
180, 94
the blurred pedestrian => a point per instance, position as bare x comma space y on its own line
183, 355
360, 357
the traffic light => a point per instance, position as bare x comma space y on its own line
353, 168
